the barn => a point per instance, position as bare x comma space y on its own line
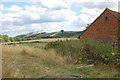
105, 28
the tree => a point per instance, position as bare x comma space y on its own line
12, 39
17, 39
5, 38
87, 26
62, 30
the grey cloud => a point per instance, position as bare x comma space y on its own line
91, 4
100, 5
55, 7
26, 20
79, 22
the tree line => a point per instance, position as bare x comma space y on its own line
6, 38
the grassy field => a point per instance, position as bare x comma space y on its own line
31, 62
37, 45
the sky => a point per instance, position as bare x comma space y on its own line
25, 16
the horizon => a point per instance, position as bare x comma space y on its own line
49, 15
43, 32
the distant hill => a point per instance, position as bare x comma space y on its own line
61, 34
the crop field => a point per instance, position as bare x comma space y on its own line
41, 40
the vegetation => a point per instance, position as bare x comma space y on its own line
38, 35
87, 51
60, 58
6, 38
34, 44
61, 34
24, 61
28, 62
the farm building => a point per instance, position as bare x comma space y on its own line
105, 28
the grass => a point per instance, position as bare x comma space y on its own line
32, 62
38, 44
84, 50
87, 51
29, 62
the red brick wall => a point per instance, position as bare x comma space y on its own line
101, 29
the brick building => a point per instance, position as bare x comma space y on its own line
105, 28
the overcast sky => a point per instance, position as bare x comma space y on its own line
20, 17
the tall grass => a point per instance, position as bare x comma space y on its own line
24, 61
9, 71
29, 62
86, 51
34, 52
0, 61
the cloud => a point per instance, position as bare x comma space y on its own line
1, 10
31, 15
51, 4
1, 7
92, 12
63, 4
98, 5
15, 8
1, 14
34, 8
50, 15
86, 16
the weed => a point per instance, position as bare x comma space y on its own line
86, 51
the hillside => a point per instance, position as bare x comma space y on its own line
61, 34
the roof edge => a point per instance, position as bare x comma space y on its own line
107, 9
92, 23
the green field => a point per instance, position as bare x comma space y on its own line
40, 44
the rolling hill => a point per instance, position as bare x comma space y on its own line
61, 34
